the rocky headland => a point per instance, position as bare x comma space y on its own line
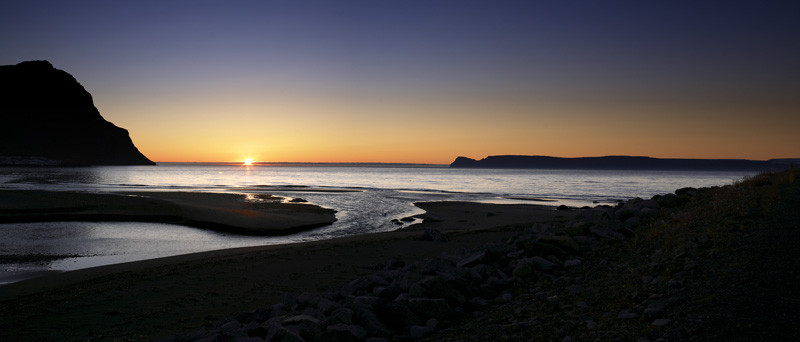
48, 118
621, 163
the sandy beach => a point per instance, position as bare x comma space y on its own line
171, 295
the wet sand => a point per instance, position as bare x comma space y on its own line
161, 297
254, 215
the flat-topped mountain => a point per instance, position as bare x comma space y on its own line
48, 118
619, 163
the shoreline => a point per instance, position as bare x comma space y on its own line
205, 284
447, 216
232, 213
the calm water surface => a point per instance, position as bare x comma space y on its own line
382, 193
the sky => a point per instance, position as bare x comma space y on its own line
427, 81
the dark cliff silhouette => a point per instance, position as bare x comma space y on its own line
619, 163
48, 118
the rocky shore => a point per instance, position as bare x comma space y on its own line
657, 269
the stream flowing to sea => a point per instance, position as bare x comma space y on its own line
367, 197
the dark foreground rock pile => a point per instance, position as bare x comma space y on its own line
723, 266
538, 282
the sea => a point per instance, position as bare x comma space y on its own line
366, 197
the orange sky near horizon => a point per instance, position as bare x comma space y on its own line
436, 131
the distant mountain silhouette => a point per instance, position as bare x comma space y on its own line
619, 163
48, 118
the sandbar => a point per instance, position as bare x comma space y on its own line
237, 213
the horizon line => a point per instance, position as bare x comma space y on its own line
445, 164
296, 163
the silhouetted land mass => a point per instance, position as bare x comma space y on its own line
48, 118
620, 163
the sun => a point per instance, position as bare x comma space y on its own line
248, 162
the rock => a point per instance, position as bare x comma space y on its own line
304, 326
394, 264
230, 326
524, 269
543, 264
605, 233
648, 213
631, 222
654, 307
308, 299
274, 311
562, 207
471, 260
278, 333
339, 316
437, 308
687, 192
543, 248
627, 314
626, 212
390, 292
432, 323
366, 316
48, 117
288, 300
430, 287
478, 302
255, 330
661, 322
669, 201
561, 241
357, 286
376, 279
398, 314
326, 306
417, 332
376, 339
649, 204
572, 263
343, 332
244, 317
300, 319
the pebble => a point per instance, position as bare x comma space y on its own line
661, 322
627, 314
418, 332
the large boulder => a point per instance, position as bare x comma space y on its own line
48, 118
